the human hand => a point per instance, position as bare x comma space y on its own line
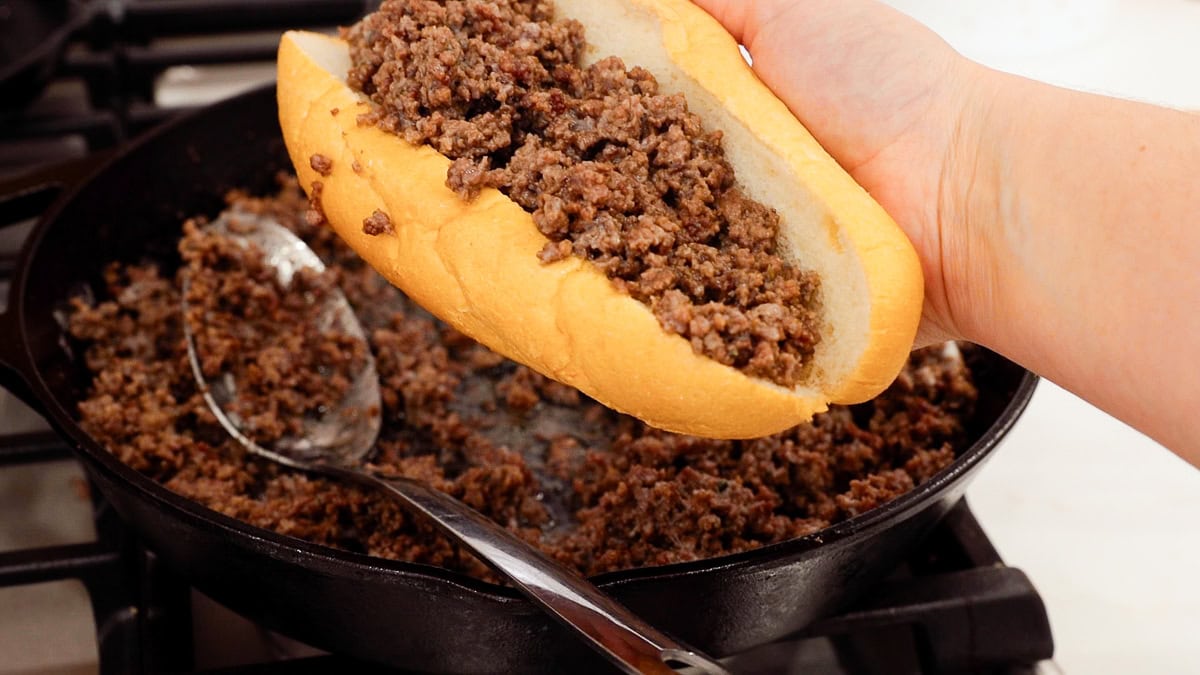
892, 103
1055, 227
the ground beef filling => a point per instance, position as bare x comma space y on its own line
612, 170
377, 223
321, 164
594, 489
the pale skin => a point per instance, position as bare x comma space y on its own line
1058, 228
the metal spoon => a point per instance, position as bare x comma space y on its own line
336, 443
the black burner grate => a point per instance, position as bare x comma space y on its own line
119, 47
101, 91
141, 612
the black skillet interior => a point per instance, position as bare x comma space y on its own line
350, 603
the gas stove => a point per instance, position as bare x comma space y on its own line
79, 593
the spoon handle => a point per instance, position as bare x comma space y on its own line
628, 641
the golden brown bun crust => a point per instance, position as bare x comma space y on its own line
474, 264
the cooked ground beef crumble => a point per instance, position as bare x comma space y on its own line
377, 223
596, 490
321, 164
611, 169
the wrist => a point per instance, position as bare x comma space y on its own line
976, 196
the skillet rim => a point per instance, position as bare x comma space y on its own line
328, 560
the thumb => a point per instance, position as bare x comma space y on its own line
745, 19
735, 15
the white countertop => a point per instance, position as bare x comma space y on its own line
1105, 521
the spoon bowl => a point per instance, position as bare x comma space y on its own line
343, 434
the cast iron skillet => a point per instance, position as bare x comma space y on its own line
416, 616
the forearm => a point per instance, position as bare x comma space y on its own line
1084, 213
